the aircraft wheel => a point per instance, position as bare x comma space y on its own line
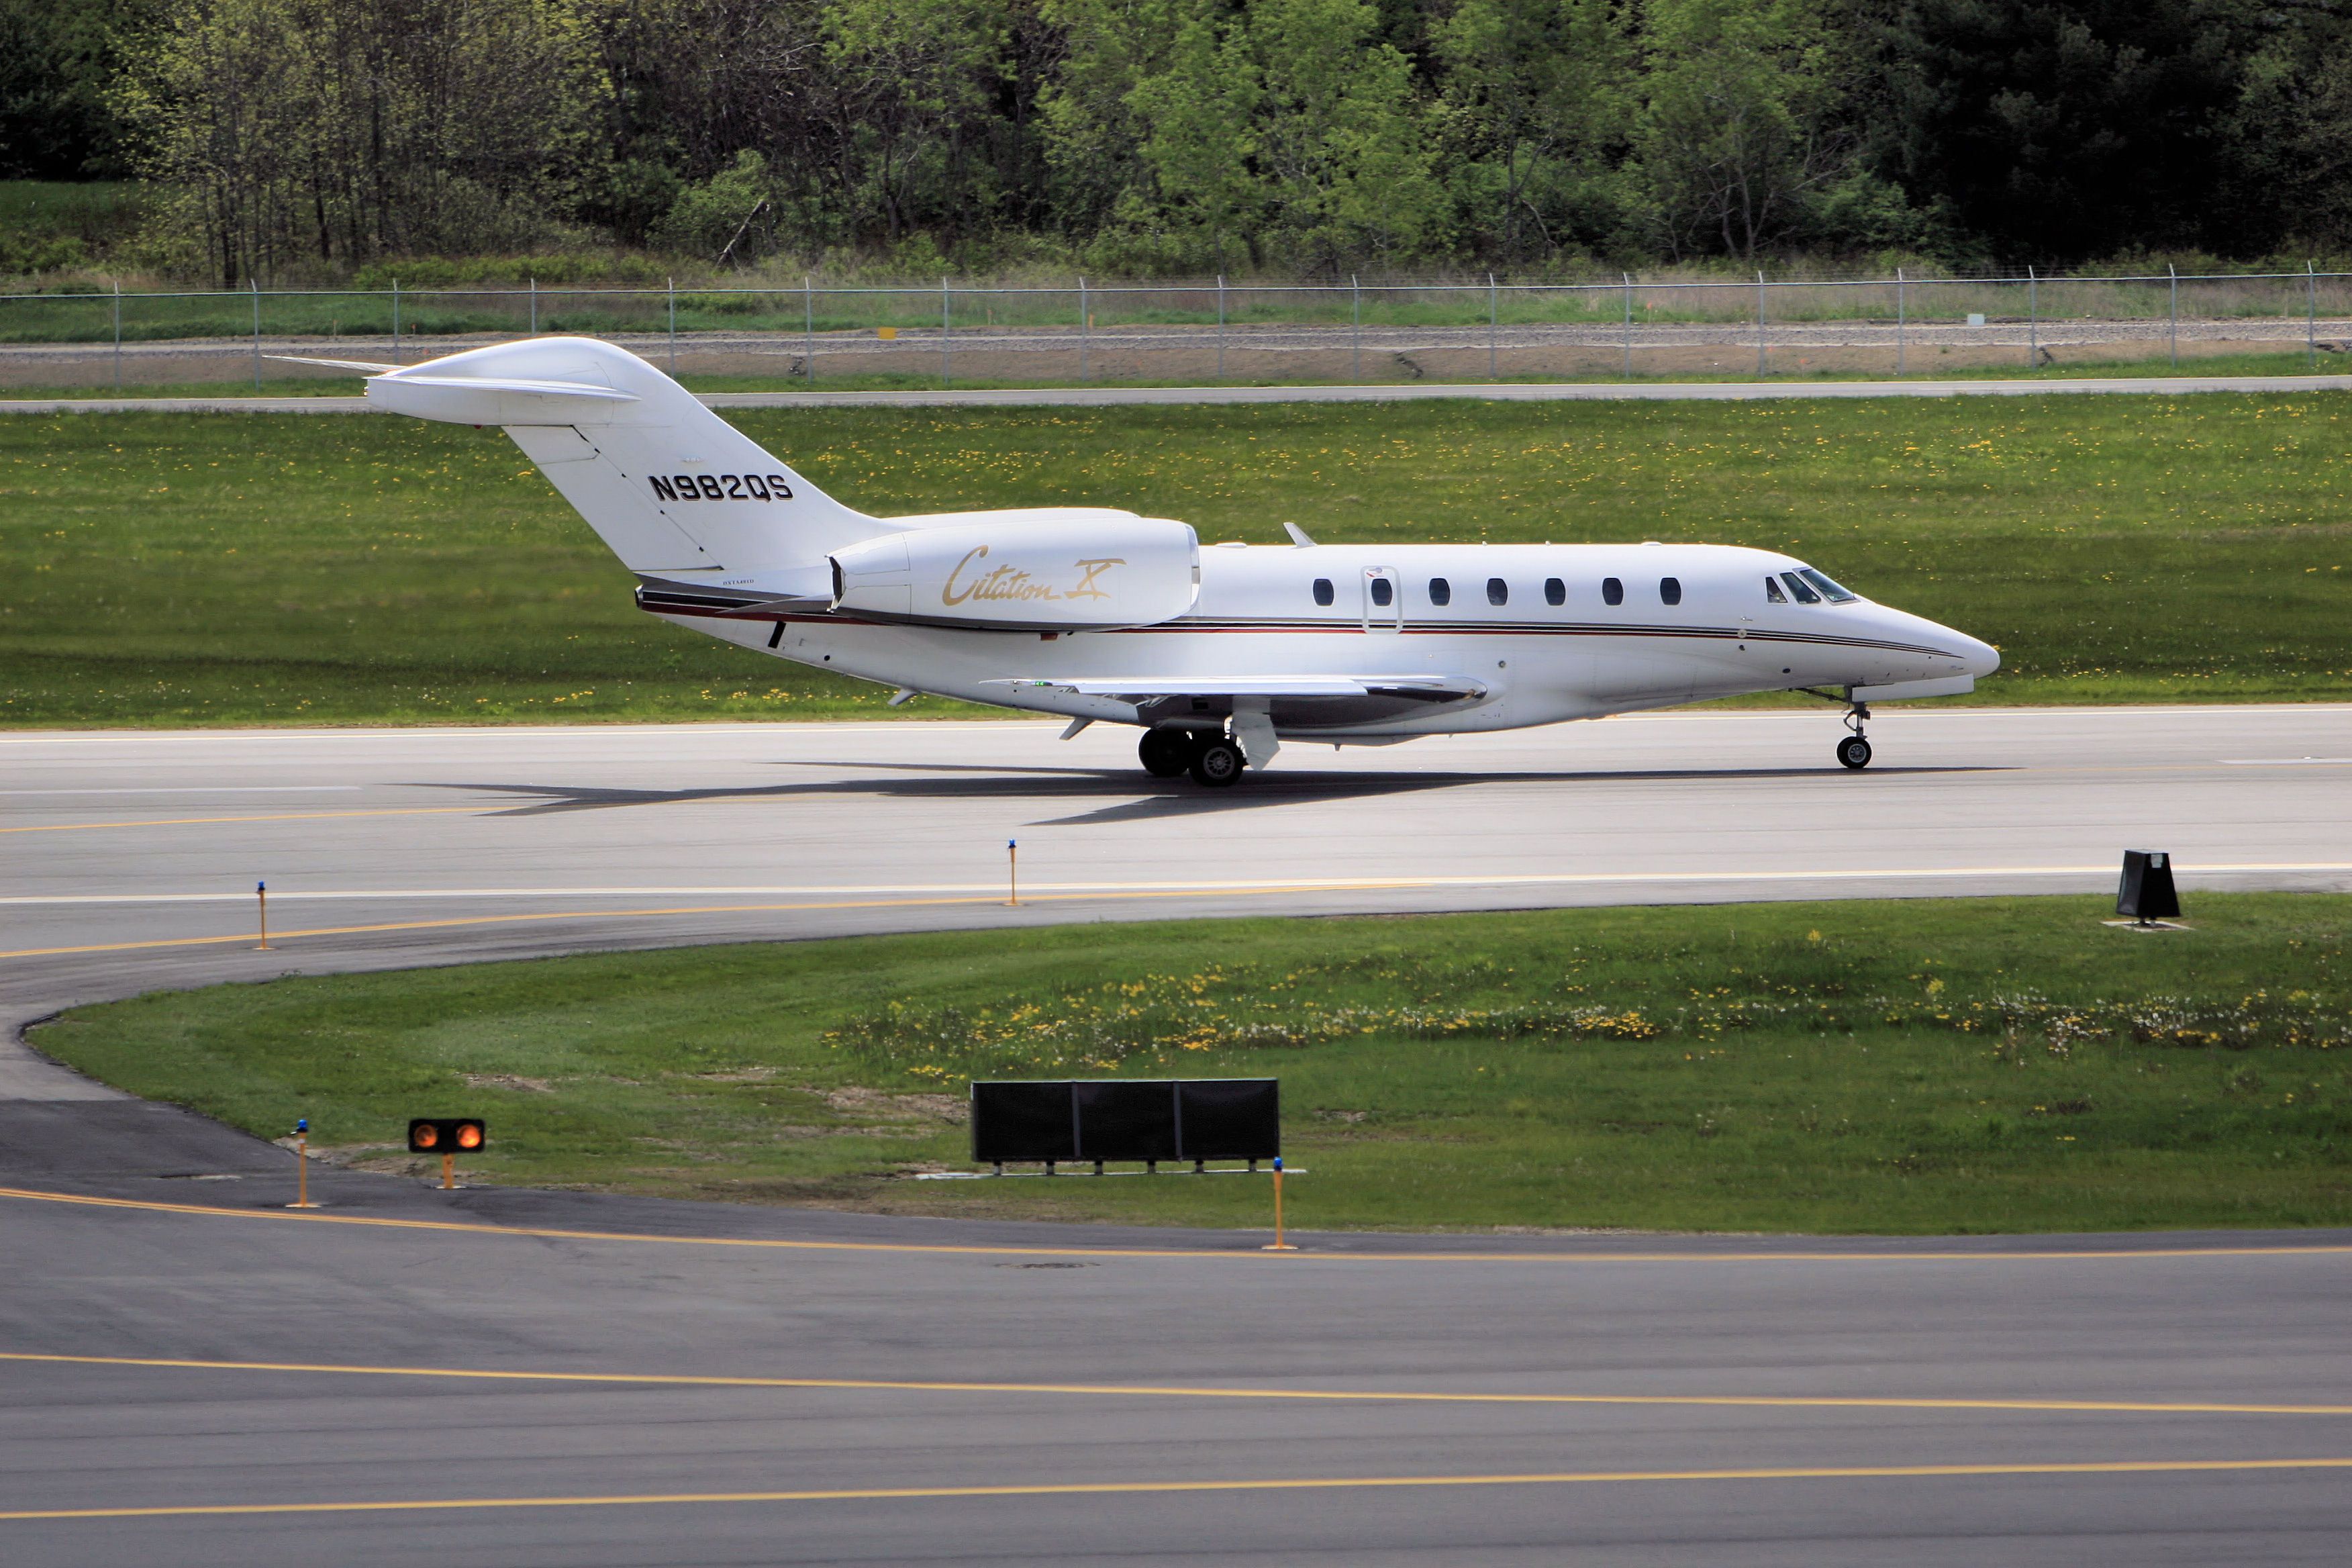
1853, 751
1217, 764
1165, 752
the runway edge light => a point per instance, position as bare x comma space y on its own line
447, 1136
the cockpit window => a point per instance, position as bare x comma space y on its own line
1772, 595
1831, 591
1803, 589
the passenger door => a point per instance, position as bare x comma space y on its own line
1383, 600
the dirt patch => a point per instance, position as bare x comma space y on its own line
508, 1081
867, 1101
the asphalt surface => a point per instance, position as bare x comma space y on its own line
1119, 396
2140, 1400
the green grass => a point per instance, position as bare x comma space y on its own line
170, 568
1928, 1067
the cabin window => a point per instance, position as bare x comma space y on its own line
1612, 592
1772, 595
1497, 591
1441, 591
1803, 589
1555, 590
1383, 592
1323, 595
1670, 590
1831, 591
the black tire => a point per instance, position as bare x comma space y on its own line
1165, 753
1853, 751
1217, 764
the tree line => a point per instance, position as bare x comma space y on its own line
285, 138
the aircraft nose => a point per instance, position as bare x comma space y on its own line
1981, 658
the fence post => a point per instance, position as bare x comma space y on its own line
2170, 271
1759, 321
673, 325
1086, 326
2032, 318
808, 329
1494, 310
1628, 371
256, 333
2310, 316
1356, 326
1901, 321
1221, 326
534, 307
947, 331
395, 320
118, 337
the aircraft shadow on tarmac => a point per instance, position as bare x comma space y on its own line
1125, 795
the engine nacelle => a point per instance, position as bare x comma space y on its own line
1070, 570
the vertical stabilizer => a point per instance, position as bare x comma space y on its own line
670, 485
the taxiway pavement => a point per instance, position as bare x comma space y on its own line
2141, 1400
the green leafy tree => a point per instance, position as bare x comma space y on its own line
1532, 89
1344, 142
1735, 135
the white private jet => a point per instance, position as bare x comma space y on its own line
1094, 614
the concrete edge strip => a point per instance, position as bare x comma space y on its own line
1229, 890
1114, 1489
1244, 1251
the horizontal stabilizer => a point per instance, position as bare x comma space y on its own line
363, 366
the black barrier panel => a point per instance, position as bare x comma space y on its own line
1125, 1119
2146, 892
1229, 1118
1022, 1121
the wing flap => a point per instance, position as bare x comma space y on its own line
1434, 687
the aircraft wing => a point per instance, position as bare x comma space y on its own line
1419, 687
363, 366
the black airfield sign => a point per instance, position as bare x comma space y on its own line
1125, 1119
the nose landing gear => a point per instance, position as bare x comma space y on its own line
1853, 751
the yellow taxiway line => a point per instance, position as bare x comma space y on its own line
1159, 1391
1136, 1488
1251, 1252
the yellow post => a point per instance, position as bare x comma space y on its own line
302, 1165
261, 893
448, 1172
1280, 1245
1013, 873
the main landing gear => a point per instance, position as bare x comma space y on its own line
1211, 758
1853, 751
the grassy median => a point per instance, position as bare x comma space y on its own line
1901, 1067
170, 568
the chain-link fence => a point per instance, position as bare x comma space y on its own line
1214, 330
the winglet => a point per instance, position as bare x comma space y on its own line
1298, 536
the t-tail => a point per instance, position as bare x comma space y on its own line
677, 492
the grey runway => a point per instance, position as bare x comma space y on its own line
2172, 1399
1408, 391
